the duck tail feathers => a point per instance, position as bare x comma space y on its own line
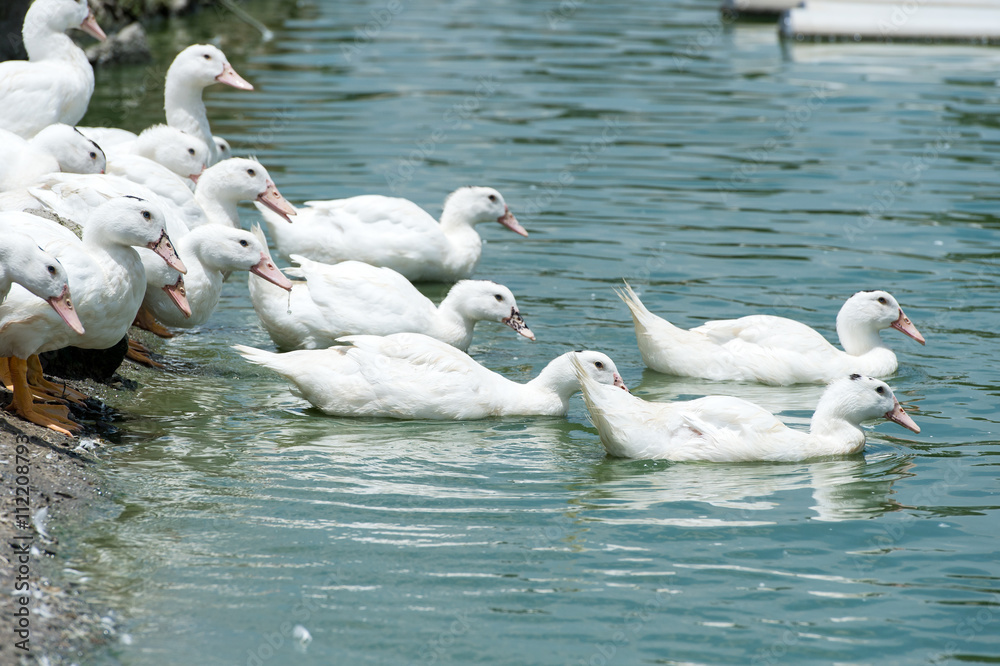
256, 356
641, 316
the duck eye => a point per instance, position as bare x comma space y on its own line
244, 243
93, 155
146, 215
190, 151
207, 56
493, 198
599, 365
881, 299
51, 269
498, 297
880, 390
251, 172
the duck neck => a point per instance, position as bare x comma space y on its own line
465, 243
204, 278
43, 43
185, 110
199, 245
831, 435
452, 325
219, 208
101, 245
857, 339
558, 380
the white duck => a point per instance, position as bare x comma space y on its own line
194, 69
413, 376
773, 350
395, 233
108, 286
56, 148
352, 298
183, 155
24, 263
55, 84
726, 429
208, 252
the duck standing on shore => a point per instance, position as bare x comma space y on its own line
55, 83
108, 284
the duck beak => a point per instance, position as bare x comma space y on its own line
90, 27
267, 270
165, 249
272, 198
904, 324
195, 176
508, 220
897, 415
231, 78
620, 383
178, 294
64, 308
517, 323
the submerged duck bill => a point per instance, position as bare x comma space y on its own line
272, 198
229, 77
508, 220
165, 249
90, 27
178, 294
64, 308
266, 269
897, 415
517, 323
906, 327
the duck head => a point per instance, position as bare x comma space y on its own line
41, 273
599, 367
74, 152
240, 179
865, 314
221, 145
858, 398
475, 205
180, 152
225, 250
61, 15
134, 221
201, 65
482, 300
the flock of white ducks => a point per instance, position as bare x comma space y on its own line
362, 340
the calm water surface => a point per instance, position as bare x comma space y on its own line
723, 173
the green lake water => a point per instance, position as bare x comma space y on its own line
723, 172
